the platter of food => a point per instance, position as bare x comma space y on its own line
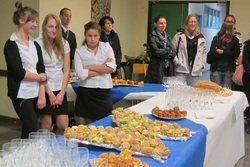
133, 121
170, 114
126, 82
168, 118
215, 88
126, 85
224, 92
125, 157
119, 139
72, 80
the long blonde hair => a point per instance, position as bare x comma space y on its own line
185, 26
57, 45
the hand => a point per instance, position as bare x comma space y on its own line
219, 51
171, 56
43, 77
52, 99
47, 77
109, 60
59, 99
170, 53
41, 102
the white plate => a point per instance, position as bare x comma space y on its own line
168, 118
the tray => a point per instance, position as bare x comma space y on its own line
127, 85
168, 118
160, 159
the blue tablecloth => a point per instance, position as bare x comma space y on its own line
188, 153
119, 92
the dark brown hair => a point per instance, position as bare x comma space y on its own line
230, 16
91, 25
102, 20
226, 30
62, 11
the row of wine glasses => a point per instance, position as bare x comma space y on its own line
173, 81
187, 97
44, 149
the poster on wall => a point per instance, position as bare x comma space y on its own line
100, 8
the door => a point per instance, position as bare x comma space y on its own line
175, 13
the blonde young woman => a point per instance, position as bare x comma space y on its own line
191, 53
56, 56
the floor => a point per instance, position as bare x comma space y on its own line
10, 129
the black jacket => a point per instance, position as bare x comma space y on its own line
72, 42
115, 46
160, 57
246, 56
15, 70
232, 54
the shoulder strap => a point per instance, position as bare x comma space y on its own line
178, 46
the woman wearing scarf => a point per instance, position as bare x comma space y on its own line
162, 53
224, 51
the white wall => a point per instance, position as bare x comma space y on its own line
198, 8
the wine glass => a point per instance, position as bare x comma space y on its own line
165, 82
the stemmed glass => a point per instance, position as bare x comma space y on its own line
165, 82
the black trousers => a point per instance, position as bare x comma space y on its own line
28, 114
246, 83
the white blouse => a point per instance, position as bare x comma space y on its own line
53, 65
29, 57
84, 56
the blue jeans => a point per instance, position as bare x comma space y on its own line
221, 78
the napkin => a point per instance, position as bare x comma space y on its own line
220, 99
204, 114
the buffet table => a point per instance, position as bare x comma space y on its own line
225, 139
188, 153
119, 93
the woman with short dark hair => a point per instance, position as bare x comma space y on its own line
109, 35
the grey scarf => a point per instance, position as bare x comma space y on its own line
163, 38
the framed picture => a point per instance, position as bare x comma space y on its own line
100, 8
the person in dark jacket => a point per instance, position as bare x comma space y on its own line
110, 36
246, 80
162, 53
224, 51
65, 16
26, 73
